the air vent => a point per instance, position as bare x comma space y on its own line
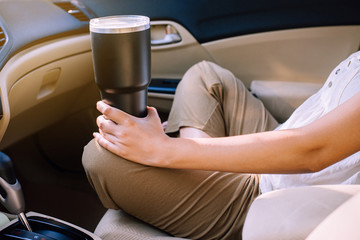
2, 38
72, 10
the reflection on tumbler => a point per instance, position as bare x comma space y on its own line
121, 55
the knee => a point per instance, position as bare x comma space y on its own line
195, 76
206, 75
93, 158
196, 71
89, 162
99, 170
101, 163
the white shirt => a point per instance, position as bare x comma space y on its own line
342, 84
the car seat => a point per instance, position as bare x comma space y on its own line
283, 214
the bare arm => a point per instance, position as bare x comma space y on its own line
307, 149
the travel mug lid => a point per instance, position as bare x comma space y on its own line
119, 24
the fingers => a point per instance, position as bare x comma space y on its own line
116, 125
152, 112
118, 116
106, 125
109, 136
105, 143
153, 115
119, 132
112, 113
164, 125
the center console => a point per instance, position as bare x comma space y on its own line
44, 228
32, 226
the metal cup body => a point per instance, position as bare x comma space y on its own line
122, 65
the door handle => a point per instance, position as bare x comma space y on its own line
168, 39
168, 35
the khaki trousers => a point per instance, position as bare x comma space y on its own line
188, 203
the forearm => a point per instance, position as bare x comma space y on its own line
307, 149
270, 152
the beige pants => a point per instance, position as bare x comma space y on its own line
186, 203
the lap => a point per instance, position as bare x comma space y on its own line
188, 203
185, 203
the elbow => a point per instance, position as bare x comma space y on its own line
315, 167
309, 167
316, 161
316, 151
313, 151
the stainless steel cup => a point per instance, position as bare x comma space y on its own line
121, 57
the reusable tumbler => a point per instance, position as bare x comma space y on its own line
121, 56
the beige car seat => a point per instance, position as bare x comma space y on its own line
284, 214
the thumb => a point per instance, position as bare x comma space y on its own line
152, 113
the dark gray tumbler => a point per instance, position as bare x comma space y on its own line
121, 56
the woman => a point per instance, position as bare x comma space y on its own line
201, 184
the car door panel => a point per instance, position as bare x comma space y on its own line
300, 55
172, 60
287, 62
291, 56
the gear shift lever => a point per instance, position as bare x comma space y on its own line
11, 196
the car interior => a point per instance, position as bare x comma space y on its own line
283, 51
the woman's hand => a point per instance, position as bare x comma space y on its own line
140, 140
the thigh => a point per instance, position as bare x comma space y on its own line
212, 99
185, 203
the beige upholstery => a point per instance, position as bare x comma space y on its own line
117, 225
284, 214
343, 223
282, 98
294, 213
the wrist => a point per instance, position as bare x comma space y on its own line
168, 153
179, 153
